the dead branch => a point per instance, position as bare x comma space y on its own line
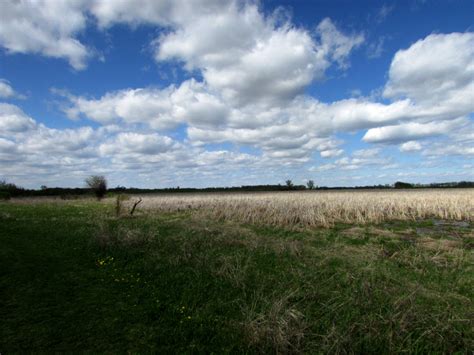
135, 206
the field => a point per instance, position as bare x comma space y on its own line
291, 272
324, 209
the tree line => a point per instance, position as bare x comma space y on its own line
97, 185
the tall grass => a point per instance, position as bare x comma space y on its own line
323, 208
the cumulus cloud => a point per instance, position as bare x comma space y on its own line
131, 12
125, 106
8, 151
410, 146
249, 58
6, 91
248, 74
161, 109
359, 159
224, 39
451, 149
289, 133
331, 153
50, 141
335, 44
14, 120
51, 28
409, 131
354, 162
131, 142
366, 153
74, 153
46, 27
436, 69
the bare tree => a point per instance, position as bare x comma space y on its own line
98, 184
310, 184
289, 184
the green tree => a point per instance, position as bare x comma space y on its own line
98, 185
310, 184
8, 190
289, 184
403, 185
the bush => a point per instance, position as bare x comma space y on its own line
98, 184
4, 195
8, 190
403, 185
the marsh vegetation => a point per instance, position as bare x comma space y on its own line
200, 274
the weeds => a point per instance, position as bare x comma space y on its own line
280, 327
108, 235
323, 209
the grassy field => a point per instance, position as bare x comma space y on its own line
75, 277
322, 208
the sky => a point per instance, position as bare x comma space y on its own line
196, 93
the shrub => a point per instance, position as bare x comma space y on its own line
98, 185
403, 185
8, 190
4, 195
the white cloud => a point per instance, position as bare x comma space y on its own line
249, 58
132, 12
366, 153
77, 142
410, 146
331, 153
409, 131
47, 27
6, 91
161, 109
150, 106
224, 39
289, 133
131, 142
323, 167
248, 75
363, 159
8, 151
335, 44
434, 70
355, 114
14, 120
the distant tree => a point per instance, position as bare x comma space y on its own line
8, 190
289, 184
310, 184
44, 187
98, 184
403, 185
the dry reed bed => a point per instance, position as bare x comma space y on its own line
323, 208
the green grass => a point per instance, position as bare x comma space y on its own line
75, 278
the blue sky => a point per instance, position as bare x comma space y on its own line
217, 93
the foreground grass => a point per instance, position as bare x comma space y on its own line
75, 278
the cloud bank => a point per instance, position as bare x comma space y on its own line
248, 78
